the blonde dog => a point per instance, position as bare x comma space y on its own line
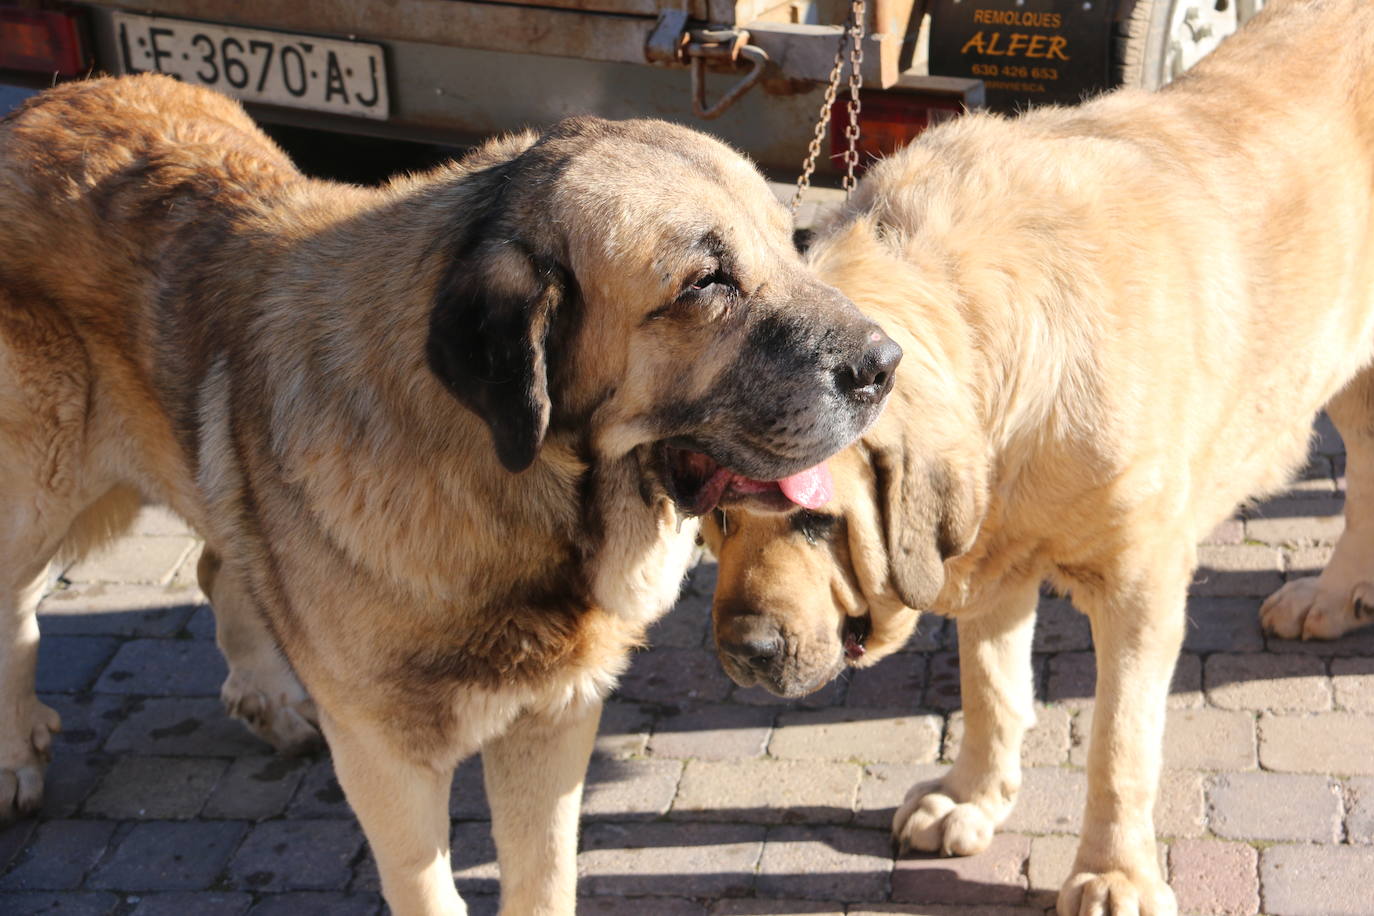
1119, 321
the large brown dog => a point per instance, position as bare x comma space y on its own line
315, 375
1119, 321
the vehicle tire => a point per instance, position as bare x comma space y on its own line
1159, 39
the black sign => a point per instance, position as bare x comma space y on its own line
1027, 52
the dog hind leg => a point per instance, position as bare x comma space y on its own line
957, 815
261, 690
1341, 599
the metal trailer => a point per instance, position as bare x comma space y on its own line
450, 71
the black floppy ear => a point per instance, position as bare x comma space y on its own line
930, 513
487, 342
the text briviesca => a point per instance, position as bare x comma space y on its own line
1018, 17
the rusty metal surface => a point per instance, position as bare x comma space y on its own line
797, 51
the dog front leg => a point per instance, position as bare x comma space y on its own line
534, 775
403, 807
1137, 632
957, 815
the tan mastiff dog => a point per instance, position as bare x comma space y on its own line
441, 437
1119, 321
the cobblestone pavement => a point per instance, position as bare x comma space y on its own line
705, 799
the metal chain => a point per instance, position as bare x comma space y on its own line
851, 38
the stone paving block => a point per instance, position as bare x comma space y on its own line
630, 789
1046, 743
165, 667
59, 856
1237, 570
865, 735
686, 626
1051, 859
155, 788
932, 633
117, 610
1297, 521
1316, 880
1072, 679
639, 906
70, 778
1360, 643
1310, 560
1050, 801
897, 681
183, 727
884, 787
768, 791
1180, 808
295, 855
624, 730
713, 732
994, 876
693, 860
1223, 624
674, 676
1212, 878
141, 561
468, 796
202, 623
87, 720
184, 903
67, 664
890, 909
255, 788
1330, 742
319, 795
159, 521
185, 576
942, 682
473, 851
1059, 627
58, 904
1209, 739
15, 838
826, 863
1275, 806
769, 906
317, 903
168, 856
1231, 531
832, 694
1359, 810
1353, 681
1260, 680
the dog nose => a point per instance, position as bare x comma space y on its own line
754, 642
869, 376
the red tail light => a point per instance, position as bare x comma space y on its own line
42, 42
890, 120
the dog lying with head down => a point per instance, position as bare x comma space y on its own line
440, 437
1119, 321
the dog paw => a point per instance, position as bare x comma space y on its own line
283, 714
931, 821
1303, 610
23, 755
1114, 893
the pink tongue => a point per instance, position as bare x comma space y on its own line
810, 489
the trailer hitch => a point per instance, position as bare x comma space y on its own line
671, 42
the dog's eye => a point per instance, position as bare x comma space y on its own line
814, 526
706, 281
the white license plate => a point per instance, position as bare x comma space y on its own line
278, 68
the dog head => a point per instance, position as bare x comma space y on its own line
637, 281
800, 595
